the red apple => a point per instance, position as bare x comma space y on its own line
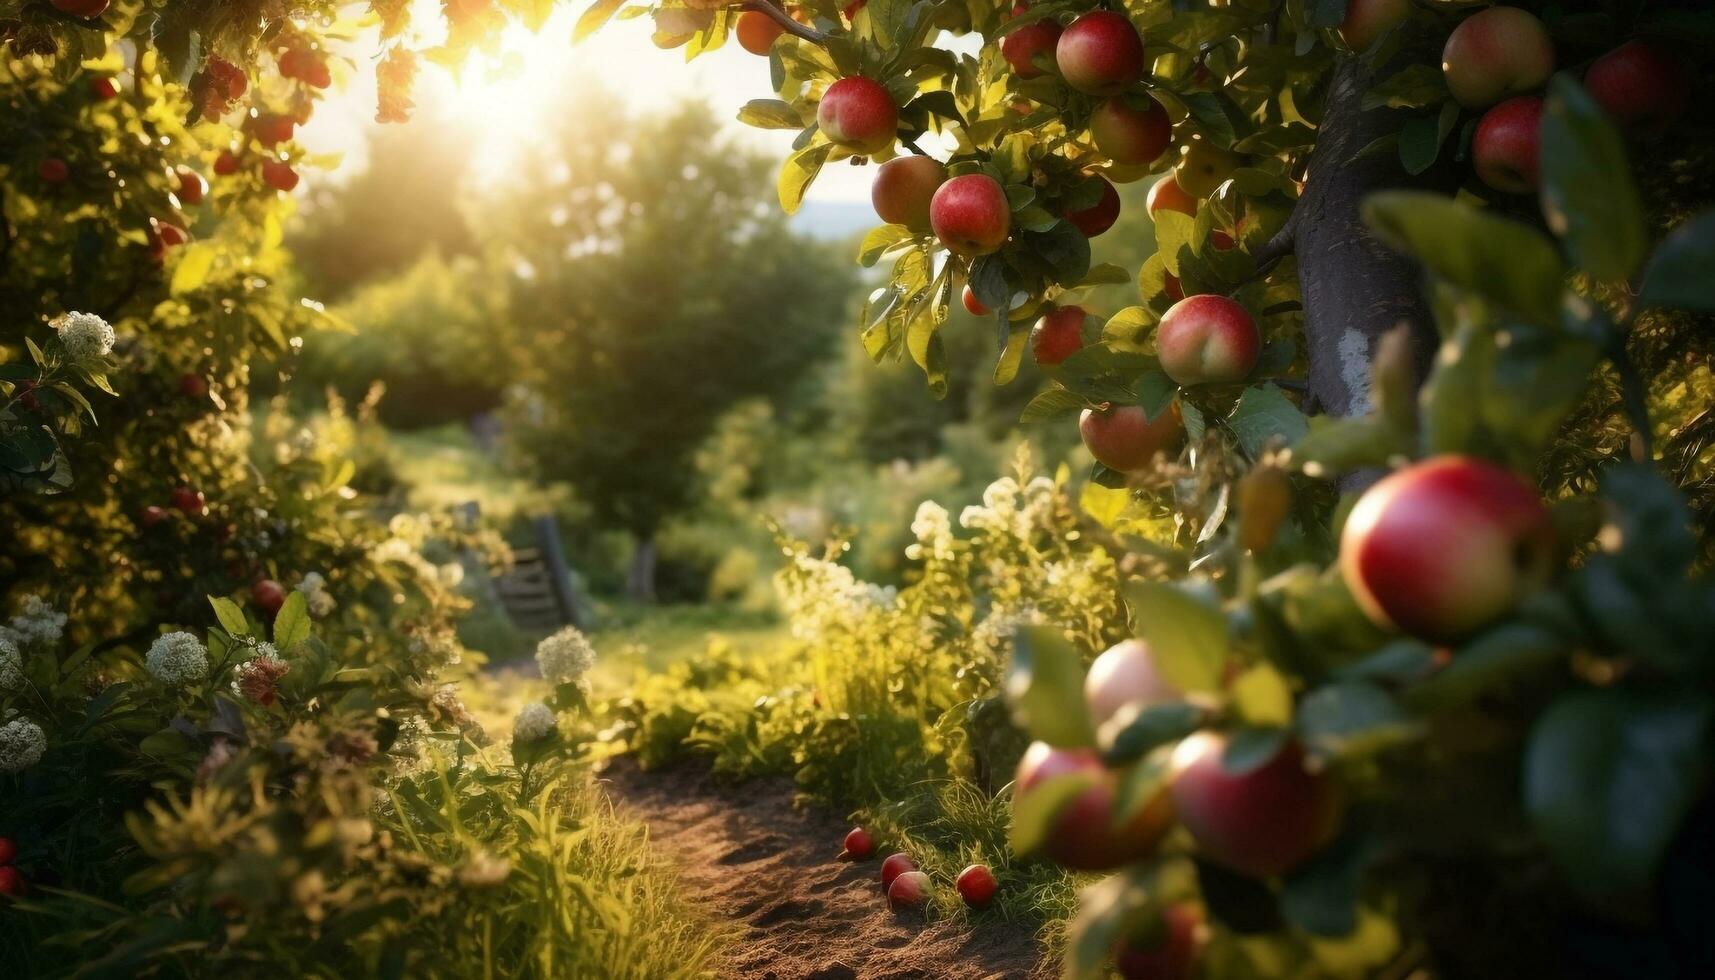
858, 845
977, 886
1131, 131
1368, 20
970, 215
1504, 148
972, 304
190, 502
859, 114
269, 596
1022, 47
1125, 674
1083, 836
903, 188
279, 175
1170, 286
910, 890
894, 866
1169, 952
272, 129
1263, 822
1445, 547
1207, 339
226, 164
1167, 195
153, 515
8, 850
191, 186
1220, 239
757, 32
12, 884
104, 87
1494, 53
53, 170
1057, 335
1100, 53
1641, 84
82, 8
170, 235
1094, 220
193, 386
1122, 439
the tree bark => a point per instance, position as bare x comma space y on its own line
640, 583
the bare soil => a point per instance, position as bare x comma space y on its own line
746, 854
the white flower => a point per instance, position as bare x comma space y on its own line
316, 596
566, 656
11, 666
84, 336
1001, 493
535, 721
931, 522
38, 623
176, 659
22, 743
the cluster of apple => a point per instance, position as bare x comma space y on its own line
12, 883
909, 888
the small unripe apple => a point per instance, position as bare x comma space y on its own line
1263, 822
970, 215
1122, 439
1445, 547
1494, 53
1169, 953
1100, 53
1367, 20
104, 87
82, 8
757, 32
894, 866
910, 890
1021, 47
972, 304
279, 175
8, 850
12, 884
53, 170
1057, 335
1167, 195
1641, 84
1504, 149
1099, 217
191, 186
269, 596
1207, 339
859, 114
977, 886
1125, 674
226, 164
190, 502
1203, 167
858, 845
903, 188
152, 515
1130, 135
1083, 835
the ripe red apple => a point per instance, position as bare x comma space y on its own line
269, 596
910, 890
190, 502
1445, 547
227, 77
8, 850
1021, 47
12, 884
858, 845
171, 235
1083, 835
1100, 53
191, 186
1220, 239
104, 87
1094, 220
757, 32
226, 164
1169, 953
970, 215
1207, 339
153, 515
53, 170
1263, 822
1494, 53
82, 8
1170, 286
1367, 20
1641, 84
972, 304
279, 175
1131, 131
1504, 148
272, 129
1167, 195
1057, 335
193, 386
903, 188
894, 866
1122, 439
977, 886
859, 114
1125, 674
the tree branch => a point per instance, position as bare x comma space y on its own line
779, 15
1281, 245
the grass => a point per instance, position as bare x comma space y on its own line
443, 468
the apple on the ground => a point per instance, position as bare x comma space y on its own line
977, 886
894, 866
910, 890
857, 845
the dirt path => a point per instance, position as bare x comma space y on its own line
748, 855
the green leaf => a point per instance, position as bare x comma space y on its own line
1052, 405
1413, 87
230, 616
1351, 718
1679, 275
1452, 397
770, 114
1264, 414
1333, 446
192, 267
1045, 685
1261, 696
1132, 735
1498, 258
796, 174
1107, 911
1499, 656
881, 240
1322, 896
1609, 776
292, 623
592, 19
1421, 137
1588, 196
1033, 813
1247, 749
1185, 629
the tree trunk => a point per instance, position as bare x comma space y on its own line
640, 584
